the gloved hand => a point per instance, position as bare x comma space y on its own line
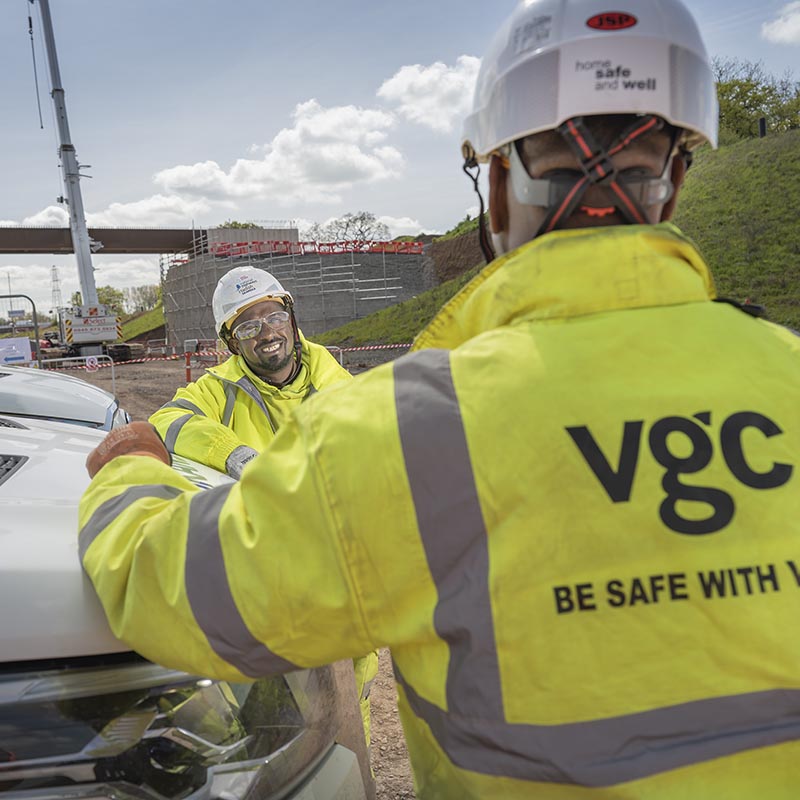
135, 439
237, 460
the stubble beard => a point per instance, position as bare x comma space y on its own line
274, 362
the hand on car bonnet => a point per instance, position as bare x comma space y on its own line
135, 439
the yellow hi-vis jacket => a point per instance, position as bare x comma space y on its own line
575, 520
230, 406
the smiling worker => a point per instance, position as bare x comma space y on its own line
232, 412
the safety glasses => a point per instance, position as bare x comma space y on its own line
251, 328
551, 192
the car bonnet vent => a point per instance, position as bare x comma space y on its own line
9, 465
9, 423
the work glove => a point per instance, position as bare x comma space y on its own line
134, 439
236, 461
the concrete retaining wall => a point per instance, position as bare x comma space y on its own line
329, 290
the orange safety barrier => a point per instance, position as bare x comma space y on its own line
285, 248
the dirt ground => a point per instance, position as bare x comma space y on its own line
141, 389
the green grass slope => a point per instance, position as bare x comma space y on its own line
740, 205
142, 323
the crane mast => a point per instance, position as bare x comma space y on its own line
69, 167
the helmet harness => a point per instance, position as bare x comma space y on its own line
561, 194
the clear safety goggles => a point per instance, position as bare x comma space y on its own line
552, 191
250, 329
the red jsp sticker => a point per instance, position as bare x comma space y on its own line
611, 21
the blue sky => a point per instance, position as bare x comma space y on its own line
199, 110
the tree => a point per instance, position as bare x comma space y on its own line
233, 223
107, 296
362, 226
747, 92
141, 298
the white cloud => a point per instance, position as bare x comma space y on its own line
157, 210
8, 223
54, 216
123, 273
33, 277
785, 28
435, 96
403, 226
325, 152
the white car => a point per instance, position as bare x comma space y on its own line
29, 392
82, 717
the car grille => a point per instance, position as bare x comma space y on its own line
9, 423
9, 465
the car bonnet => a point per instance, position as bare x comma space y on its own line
50, 607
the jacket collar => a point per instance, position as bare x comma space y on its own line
573, 273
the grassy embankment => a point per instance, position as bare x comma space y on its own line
138, 324
739, 204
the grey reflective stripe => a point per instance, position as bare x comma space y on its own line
210, 596
112, 508
246, 385
609, 751
451, 525
311, 390
173, 431
230, 402
186, 405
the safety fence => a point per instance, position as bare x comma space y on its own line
159, 346
94, 363
285, 248
200, 356
87, 363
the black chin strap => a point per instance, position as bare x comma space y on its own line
483, 234
598, 170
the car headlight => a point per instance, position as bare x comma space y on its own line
139, 731
120, 417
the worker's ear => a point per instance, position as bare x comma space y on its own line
233, 345
677, 174
498, 199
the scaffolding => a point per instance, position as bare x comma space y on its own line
332, 282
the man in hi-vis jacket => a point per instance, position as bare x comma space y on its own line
233, 411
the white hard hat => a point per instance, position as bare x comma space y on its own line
242, 287
554, 60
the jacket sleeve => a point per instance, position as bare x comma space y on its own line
245, 579
313, 556
191, 425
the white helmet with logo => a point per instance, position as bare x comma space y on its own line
554, 60
241, 288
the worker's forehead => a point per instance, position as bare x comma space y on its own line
260, 309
